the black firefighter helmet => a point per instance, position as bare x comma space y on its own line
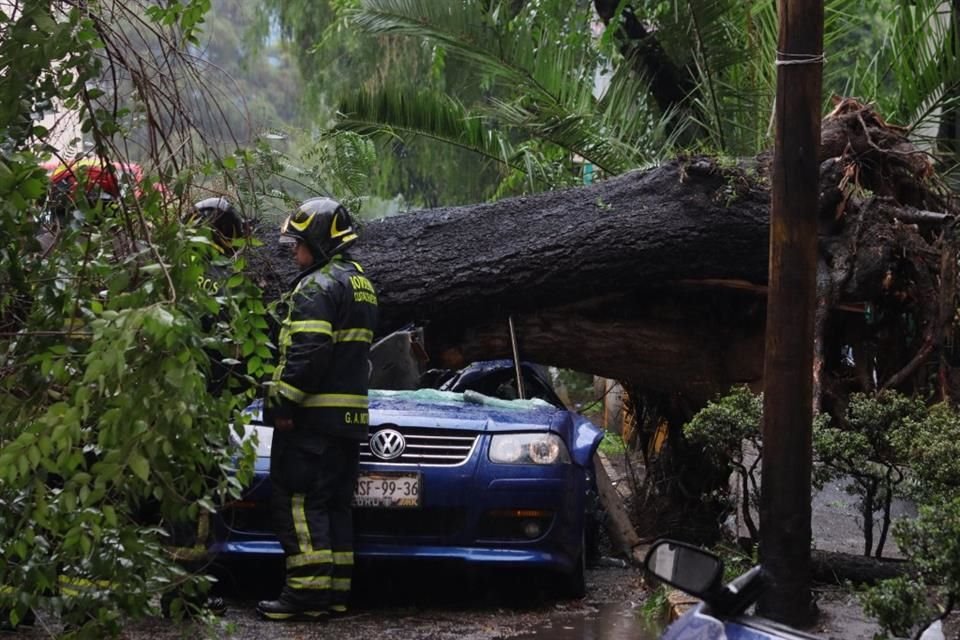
222, 217
323, 224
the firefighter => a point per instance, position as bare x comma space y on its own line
188, 540
228, 227
317, 404
223, 218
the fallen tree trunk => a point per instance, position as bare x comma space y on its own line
648, 269
658, 277
831, 567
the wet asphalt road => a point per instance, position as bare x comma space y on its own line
410, 603
413, 602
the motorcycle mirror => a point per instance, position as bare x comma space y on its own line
684, 566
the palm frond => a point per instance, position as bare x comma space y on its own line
548, 89
391, 112
463, 27
728, 47
912, 73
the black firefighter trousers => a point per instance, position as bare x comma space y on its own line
311, 505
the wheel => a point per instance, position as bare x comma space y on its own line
573, 585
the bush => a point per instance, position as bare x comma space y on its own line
107, 428
864, 453
720, 429
931, 544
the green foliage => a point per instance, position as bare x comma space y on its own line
736, 562
909, 65
932, 448
931, 543
540, 109
108, 430
517, 83
336, 58
720, 430
106, 411
612, 444
34, 38
721, 427
656, 607
863, 451
258, 71
897, 604
275, 173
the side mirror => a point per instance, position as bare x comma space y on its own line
684, 566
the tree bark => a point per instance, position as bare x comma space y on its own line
655, 277
658, 278
785, 509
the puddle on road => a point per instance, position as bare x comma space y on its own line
610, 621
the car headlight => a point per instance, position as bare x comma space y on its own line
528, 448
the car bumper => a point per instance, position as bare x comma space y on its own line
474, 514
521, 558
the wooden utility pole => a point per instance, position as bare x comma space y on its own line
788, 362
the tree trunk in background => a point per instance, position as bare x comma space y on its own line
669, 84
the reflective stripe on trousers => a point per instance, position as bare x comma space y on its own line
198, 550
314, 524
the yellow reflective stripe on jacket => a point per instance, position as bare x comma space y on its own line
309, 582
303, 326
343, 557
353, 335
345, 400
322, 400
310, 326
321, 556
300, 522
290, 392
341, 584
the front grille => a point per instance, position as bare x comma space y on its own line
430, 447
407, 523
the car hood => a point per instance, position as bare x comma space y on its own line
468, 411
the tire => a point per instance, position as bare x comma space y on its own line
573, 584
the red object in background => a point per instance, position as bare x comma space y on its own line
98, 179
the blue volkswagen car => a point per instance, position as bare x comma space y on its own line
456, 474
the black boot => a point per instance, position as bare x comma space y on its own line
280, 610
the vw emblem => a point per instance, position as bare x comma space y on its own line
387, 444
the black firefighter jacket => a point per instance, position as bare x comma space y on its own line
322, 375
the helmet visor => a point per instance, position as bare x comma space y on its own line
294, 227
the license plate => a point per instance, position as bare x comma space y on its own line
386, 489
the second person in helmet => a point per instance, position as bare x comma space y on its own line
317, 403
